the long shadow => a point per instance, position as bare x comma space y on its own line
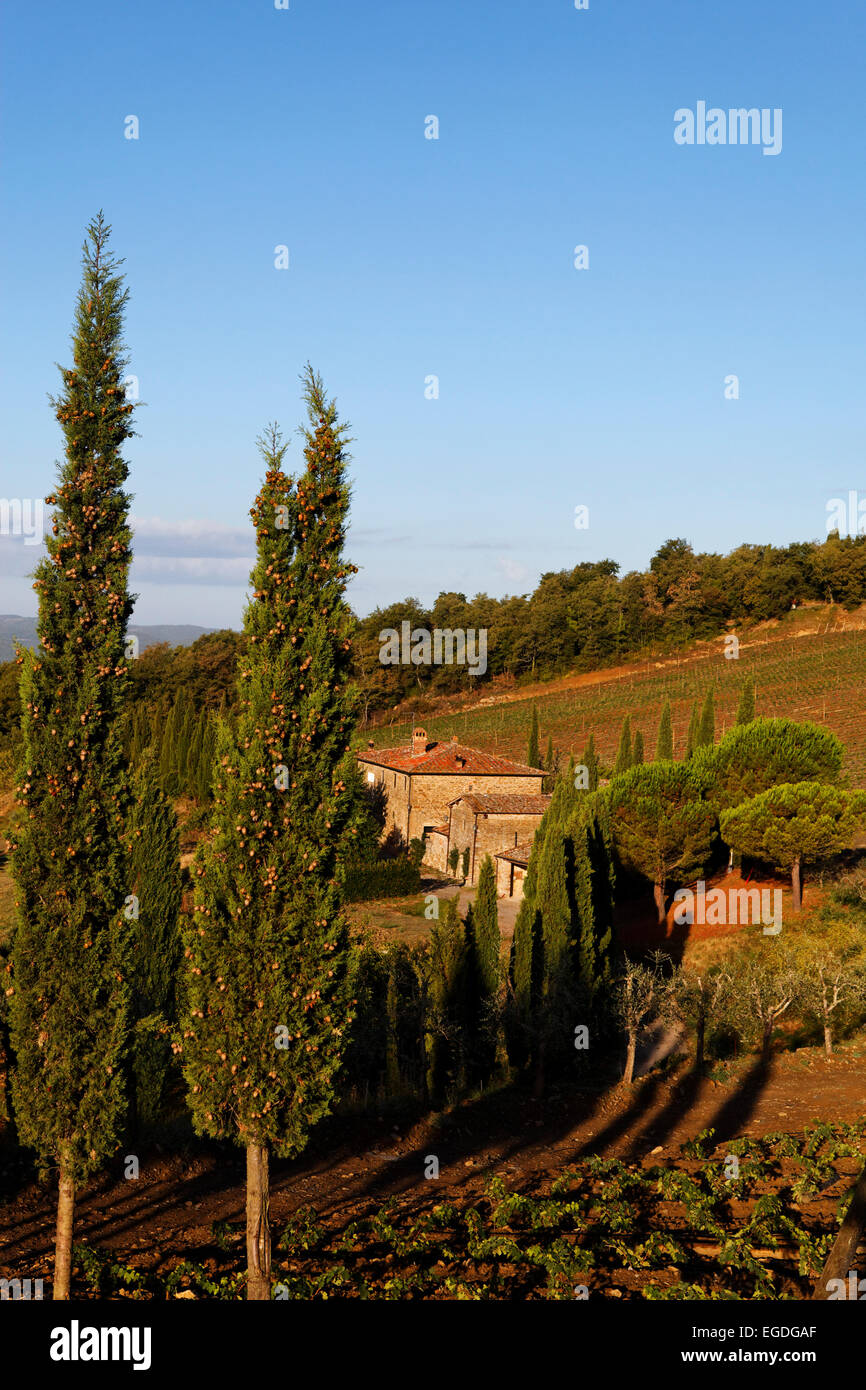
660, 1126
732, 1115
644, 1094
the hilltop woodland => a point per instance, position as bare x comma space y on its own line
191, 827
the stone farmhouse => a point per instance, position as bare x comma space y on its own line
458, 798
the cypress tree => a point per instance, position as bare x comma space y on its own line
392, 1054
556, 974
637, 749
533, 755
156, 949
590, 762
446, 1004
592, 903
525, 959
267, 977
69, 1010
693, 735
548, 757
707, 728
746, 707
168, 754
665, 741
624, 754
485, 949
185, 731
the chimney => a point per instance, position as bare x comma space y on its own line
419, 742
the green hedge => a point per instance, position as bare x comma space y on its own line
391, 878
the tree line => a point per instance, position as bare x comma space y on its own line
591, 615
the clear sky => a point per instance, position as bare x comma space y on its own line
412, 257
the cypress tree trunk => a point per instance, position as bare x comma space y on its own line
258, 1225
63, 1237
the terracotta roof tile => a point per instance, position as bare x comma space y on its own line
447, 759
518, 854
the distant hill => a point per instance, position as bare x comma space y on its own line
13, 627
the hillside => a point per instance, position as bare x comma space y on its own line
809, 665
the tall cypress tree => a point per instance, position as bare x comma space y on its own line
446, 994
624, 755
693, 735
204, 770
533, 754
637, 749
665, 741
746, 707
590, 762
168, 754
556, 975
267, 978
485, 949
69, 1012
707, 727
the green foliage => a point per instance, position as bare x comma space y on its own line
804, 821
637, 749
388, 878
752, 757
69, 1012
156, 943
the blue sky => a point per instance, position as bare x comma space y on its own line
411, 257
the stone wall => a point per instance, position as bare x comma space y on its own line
488, 833
509, 880
431, 793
